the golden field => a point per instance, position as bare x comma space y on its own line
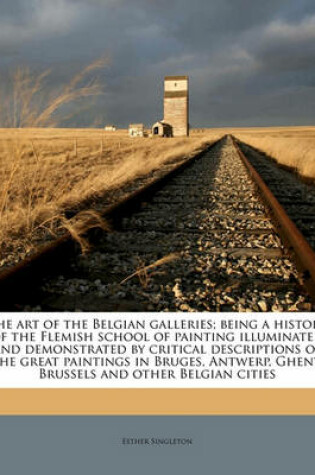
290, 146
47, 171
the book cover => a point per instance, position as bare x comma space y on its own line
156, 314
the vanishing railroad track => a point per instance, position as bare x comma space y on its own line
201, 239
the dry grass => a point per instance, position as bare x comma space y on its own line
45, 171
291, 146
30, 102
145, 272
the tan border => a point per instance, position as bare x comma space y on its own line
157, 401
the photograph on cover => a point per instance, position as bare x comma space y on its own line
157, 156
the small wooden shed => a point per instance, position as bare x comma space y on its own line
161, 129
136, 130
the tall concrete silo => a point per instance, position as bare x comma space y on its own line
176, 104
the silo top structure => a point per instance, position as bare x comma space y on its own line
176, 104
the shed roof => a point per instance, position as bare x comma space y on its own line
161, 122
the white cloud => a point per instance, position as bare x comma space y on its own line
298, 32
41, 18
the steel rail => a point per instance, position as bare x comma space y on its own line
293, 238
23, 278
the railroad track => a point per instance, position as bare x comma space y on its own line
201, 239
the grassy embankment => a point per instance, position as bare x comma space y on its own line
45, 171
290, 146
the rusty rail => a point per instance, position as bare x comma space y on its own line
293, 238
